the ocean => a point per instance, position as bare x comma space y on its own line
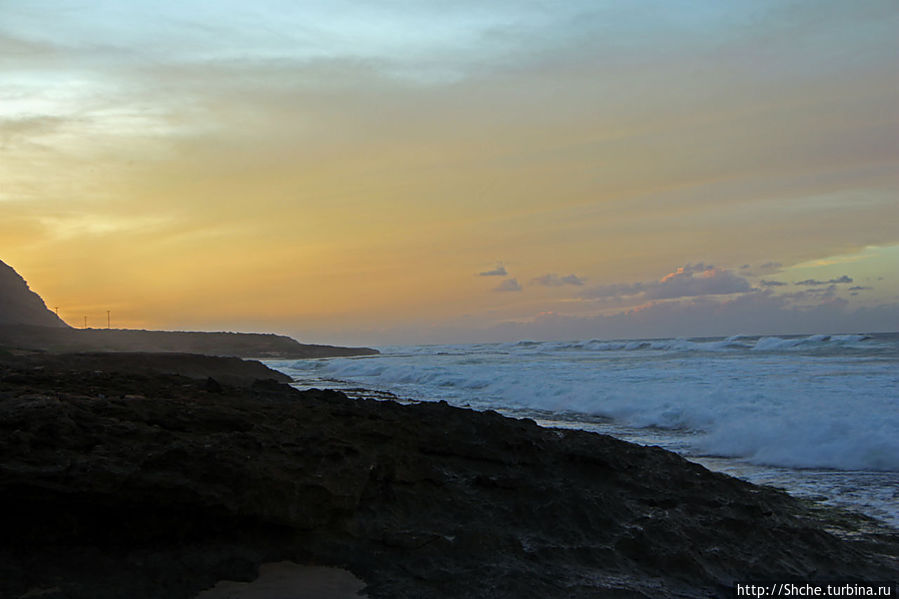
815, 415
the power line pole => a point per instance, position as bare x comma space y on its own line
107, 319
85, 321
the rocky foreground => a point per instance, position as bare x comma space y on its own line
117, 481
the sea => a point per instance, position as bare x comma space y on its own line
815, 415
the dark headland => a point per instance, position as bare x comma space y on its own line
121, 477
26, 323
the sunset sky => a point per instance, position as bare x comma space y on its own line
410, 172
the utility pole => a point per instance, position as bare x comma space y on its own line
85, 321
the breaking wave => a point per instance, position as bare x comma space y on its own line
819, 401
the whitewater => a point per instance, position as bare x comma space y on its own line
816, 415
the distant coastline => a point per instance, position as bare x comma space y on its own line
241, 345
27, 324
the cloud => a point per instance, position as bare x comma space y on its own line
759, 312
554, 280
614, 290
691, 280
772, 283
29, 126
768, 268
508, 285
828, 291
697, 280
687, 270
860, 288
814, 282
259, 123
814, 295
499, 271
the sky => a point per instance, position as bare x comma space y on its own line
402, 171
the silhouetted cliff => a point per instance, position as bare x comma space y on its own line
27, 324
21, 305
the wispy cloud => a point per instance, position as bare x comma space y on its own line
436, 137
554, 280
691, 280
701, 280
499, 271
815, 282
508, 285
756, 312
766, 268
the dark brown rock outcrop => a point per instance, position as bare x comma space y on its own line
151, 485
39, 368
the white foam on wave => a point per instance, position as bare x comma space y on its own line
811, 440
758, 399
681, 344
813, 341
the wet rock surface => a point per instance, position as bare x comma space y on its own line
117, 484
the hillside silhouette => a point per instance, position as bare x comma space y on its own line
26, 324
20, 305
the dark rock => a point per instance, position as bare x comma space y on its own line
244, 345
163, 495
41, 368
19, 305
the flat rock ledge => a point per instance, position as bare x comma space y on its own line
146, 484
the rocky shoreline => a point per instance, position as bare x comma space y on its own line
122, 477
